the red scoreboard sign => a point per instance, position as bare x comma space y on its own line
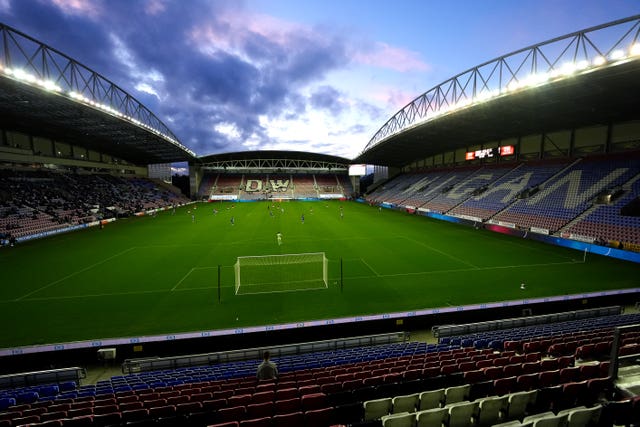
505, 150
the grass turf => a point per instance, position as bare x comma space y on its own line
151, 276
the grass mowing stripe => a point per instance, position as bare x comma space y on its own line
55, 282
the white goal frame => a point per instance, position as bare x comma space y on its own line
281, 260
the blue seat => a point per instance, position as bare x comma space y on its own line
6, 402
50, 390
27, 397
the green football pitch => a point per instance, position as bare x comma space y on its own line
159, 275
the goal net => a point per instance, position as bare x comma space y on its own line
280, 273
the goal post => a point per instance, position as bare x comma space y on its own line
280, 273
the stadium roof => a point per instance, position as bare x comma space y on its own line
46, 93
571, 81
274, 159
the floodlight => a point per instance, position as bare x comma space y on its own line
483, 96
51, 86
18, 73
582, 65
599, 60
568, 68
535, 79
635, 49
617, 54
513, 85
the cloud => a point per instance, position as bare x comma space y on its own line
92, 9
329, 99
222, 77
154, 7
386, 56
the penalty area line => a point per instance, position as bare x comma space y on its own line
461, 270
188, 274
116, 294
369, 267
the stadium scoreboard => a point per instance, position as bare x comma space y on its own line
357, 170
505, 150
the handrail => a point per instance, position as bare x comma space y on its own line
493, 325
130, 366
49, 376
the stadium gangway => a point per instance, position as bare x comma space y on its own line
50, 376
519, 322
630, 360
131, 366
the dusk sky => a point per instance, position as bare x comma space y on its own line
310, 75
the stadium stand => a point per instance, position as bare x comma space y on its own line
276, 186
410, 383
558, 196
39, 201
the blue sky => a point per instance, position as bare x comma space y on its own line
309, 75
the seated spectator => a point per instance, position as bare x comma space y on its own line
267, 370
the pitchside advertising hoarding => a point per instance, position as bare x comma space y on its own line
505, 150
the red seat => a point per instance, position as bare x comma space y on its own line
260, 410
134, 415
111, 418
188, 407
527, 382
318, 417
287, 406
587, 372
58, 415
530, 367
532, 357
288, 420
214, 404
71, 413
549, 364
162, 411
175, 400
474, 376
512, 370
309, 389
107, 409
256, 422
313, 401
548, 378
263, 396
332, 387
239, 400
569, 374
493, 372
234, 413
128, 406
82, 421
503, 386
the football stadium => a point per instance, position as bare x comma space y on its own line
478, 263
